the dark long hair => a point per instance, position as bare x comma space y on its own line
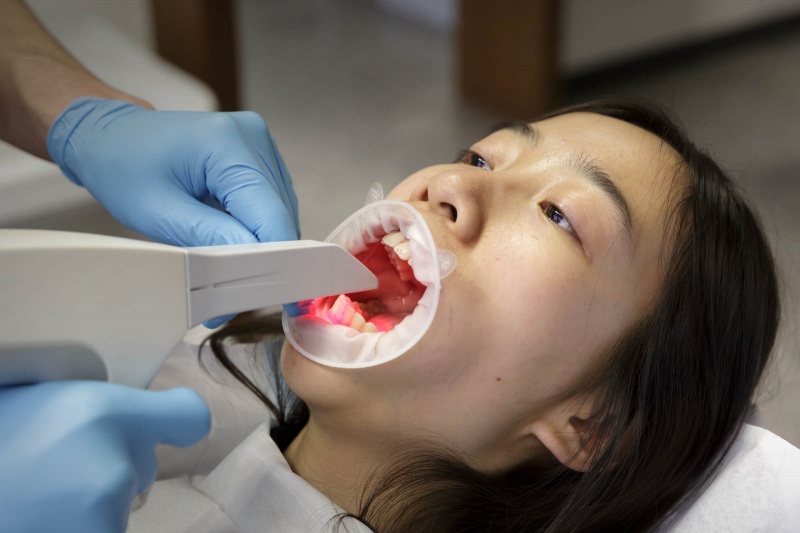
676, 385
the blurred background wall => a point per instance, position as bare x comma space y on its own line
596, 33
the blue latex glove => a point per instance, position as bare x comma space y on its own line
158, 172
74, 455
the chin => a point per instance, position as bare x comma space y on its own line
317, 385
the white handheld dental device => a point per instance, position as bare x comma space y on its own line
81, 306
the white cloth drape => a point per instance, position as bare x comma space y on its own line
235, 482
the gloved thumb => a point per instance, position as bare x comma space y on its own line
179, 417
214, 323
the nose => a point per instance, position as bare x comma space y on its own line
460, 197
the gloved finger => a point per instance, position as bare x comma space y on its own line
257, 190
258, 136
255, 202
296, 308
179, 417
214, 323
287, 181
201, 225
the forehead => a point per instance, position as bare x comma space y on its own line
640, 163
642, 166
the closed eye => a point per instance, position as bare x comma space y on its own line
468, 157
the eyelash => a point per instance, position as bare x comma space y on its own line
468, 157
550, 210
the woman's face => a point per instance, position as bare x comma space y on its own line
557, 228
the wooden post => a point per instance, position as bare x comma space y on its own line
507, 55
199, 37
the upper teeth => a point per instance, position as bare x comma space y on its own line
398, 242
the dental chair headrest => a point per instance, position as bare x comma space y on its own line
756, 489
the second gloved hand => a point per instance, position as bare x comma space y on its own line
74, 455
156, 171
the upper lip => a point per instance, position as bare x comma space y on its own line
439, 231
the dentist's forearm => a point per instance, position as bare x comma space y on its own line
38, 79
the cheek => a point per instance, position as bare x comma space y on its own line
295, 368
525, 310
498, 341
531, 312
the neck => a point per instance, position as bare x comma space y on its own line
332, 463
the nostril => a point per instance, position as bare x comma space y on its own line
452, 209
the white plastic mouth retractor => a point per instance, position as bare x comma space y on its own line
345, 347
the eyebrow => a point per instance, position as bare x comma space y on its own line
583, 165
520, 127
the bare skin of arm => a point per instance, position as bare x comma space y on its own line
38, 79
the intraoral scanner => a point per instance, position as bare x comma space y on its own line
81, 306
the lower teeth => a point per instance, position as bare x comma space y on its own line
345, 312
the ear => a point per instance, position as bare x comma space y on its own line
572, 433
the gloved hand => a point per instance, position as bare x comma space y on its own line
74, 455
155, 171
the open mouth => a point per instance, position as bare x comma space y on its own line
372, 327
381, 309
